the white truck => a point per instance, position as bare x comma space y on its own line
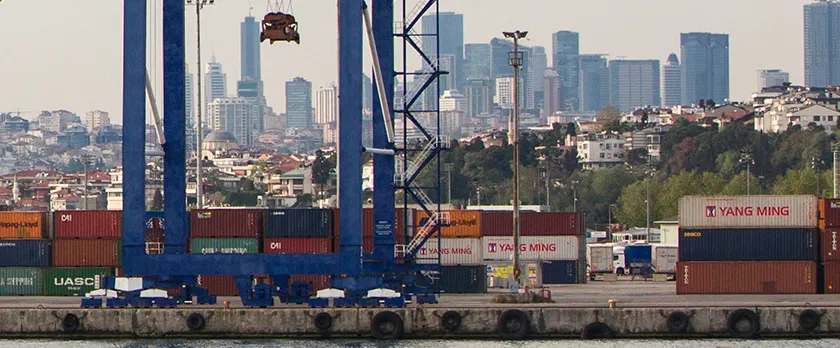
601, 259
664, 259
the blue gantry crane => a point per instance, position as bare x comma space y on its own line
392, 265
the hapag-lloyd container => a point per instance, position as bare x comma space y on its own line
744, 244
297, 245
20, 225
73, 281
24, 253
16, 281
453, 251
231, 223
463, 223
829, 240
86, 252
533, 248
88, 224
762, 211
750, 277
500, 224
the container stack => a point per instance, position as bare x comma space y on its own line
829, 224
24, 251
224, 231
748, 245
86, 247
300, 231
458, 246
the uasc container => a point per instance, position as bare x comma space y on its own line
73, 281
297, 245
230, 223
307, 223
224, 246
763, 211
533, 248
18, 225
86, 252
17, 281
88, 224
769, 244
24, 253
452, 251
750, 277
463, 223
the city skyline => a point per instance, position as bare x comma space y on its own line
97, 81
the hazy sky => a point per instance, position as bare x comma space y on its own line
68, 54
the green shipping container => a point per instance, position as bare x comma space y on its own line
16, 281
224, 246
74, 281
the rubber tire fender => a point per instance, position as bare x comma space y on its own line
70, 323
323, 321
809, 320
513, 324
450, 321
383, 318
736, 317
596, 330
196, 322
677, 322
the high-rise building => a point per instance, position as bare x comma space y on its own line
95, 119
250, 90
451, 40
536, 71
504, 92
326, 105
565, 58
594, 85
215, 81
671, 82
479, 95
705, 67
771, 77
367, 93
634, 84
452, 100
299, 103
249, 43
822, 44
552, 87
501, 49
233, 115
478, 61
447, 63
189, 112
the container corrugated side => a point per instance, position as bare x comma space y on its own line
298, 223
600, 258
829, 210
368, 228
88, 224
86, 252
777, 244
24, 253
762, 211
463, 223
230, 223
828, 244
23, 225
453, 251
318, 282
21, 281
560, 272
750, 277
297, 245
463, 279
665, 258
73, 281
224, 246
533, 248
500, 224
831, 277
218, 285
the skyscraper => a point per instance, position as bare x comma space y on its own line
232, 115
565, 58
189, 111
551, 89
705, 67
771, 77
479, 94
671, 82
250, 90
215, 81
299, 103
594, 85
326, 105
367, 93
451, 36
500, 50
536, 71
634, 83
478, 61
822, 44
249, 43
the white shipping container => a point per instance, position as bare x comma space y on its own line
665, 258
533, 248
453, 251
761, 211
600, 258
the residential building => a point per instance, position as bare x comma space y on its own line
75, 136
772, 77
505, 92
115, 188
600, 150
97, 118
479, 96
15, 124
299, 103
215, 81
634, 84
232, 115
822, 44
649, 139
552, 87
566, 61
449, 27
452, 100
671, 83
594, 84
478, 61
326, 105
780, 116
108, 134
705, 67
450, 122
57, 121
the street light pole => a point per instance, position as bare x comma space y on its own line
86, 158
574, 195
515, 60
199, 5
448, 168
747, 159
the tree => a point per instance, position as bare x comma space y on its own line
157, 201
609, 113
738, 185
636, 157
632, 207
304, 201
321, 169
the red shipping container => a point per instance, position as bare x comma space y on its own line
368, 228
831, 277
219, 285
500, 224
235, 223
748, 277
829, 213
297, 245
829, 240
319, 282
86, 252
88, 224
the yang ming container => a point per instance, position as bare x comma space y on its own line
225, 223
771, 244
767, 277
86, 252
829, 213
763, 211
88, 224
24, 253
665, 258
73, 281
500, 224
16, 281
829, 240
224, 246
463, 223
297, 245
17, 225
298, 223
452, 251
560, 272
533, 248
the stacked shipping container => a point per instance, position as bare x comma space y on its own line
224, 231
829, 224
748, 245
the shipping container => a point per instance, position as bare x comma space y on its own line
463, 279
463, 223
750, 277
224, 246
533, 248
86, 252
218, 285
763, 211
499, 274
560, 272
154, 227
20, 225
600, 258
318, 282
298, 223
828, 244
368, 227
665, 258
770, 244
297, 245
453, 251
829, 210
73, 281
19, 281
831, 277
24, 253
88, 224
226, 223
500, 224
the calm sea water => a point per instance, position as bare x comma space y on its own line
722, 343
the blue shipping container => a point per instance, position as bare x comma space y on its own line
559, 272
463, 279
24, 253
779, 244
298, 223
638, 254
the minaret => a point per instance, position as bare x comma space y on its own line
15, 190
